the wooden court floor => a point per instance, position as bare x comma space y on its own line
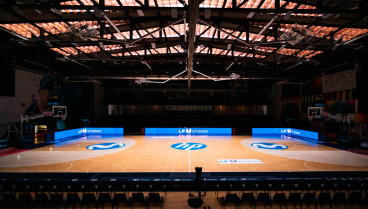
156, 154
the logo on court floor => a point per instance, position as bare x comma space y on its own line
188, 146
105, 146
269, 146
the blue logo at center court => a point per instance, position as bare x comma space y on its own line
105, 146
189, 146
269, 146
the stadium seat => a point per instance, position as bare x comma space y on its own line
310, 199
103, 198
41, 199
355, 199
9, 201
88, 198
231, 198
72, 199
339, 200
56, 200
323, 199
248, 198
265, 199
120, 198
295, 199
25, 199
155, 198
280, 199
138, 198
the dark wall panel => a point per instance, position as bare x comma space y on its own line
7, 76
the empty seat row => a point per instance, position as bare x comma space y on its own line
10, 200
78, 187
95, 186
301, 186
297, 199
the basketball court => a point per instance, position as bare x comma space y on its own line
139, 153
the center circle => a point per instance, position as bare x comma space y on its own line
188, 146
105, 146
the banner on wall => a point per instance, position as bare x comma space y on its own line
188, 131
339, 81
86, 131
285, 131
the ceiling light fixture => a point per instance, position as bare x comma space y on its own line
232, 76
207, 14
251, 15
49, 44
309, 47
335, 47
101, 13
145, 63
56, 11
18, 11
174, 13
297, 64
140, 81
228, 67
360, 47
326, 16
140, 13
265, 28
288, 15
282, 46
38, 11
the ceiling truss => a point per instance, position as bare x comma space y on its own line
145, 37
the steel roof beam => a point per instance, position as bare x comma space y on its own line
193, 16
182, 9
